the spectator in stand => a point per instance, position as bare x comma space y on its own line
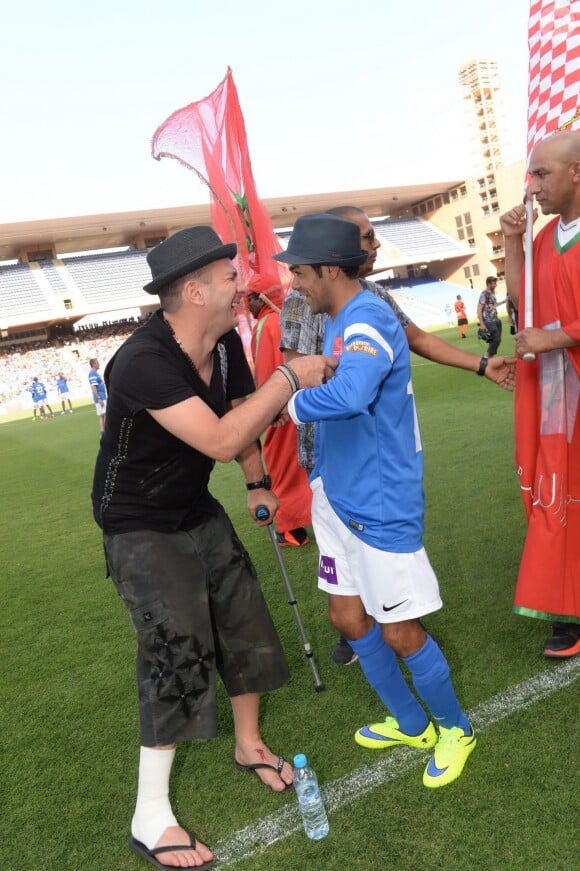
289, 479
64, 393
99, 392
38, 391
68, 354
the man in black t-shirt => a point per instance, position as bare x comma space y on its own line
177, 403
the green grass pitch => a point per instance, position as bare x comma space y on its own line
69, 715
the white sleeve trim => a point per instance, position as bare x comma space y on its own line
292, 410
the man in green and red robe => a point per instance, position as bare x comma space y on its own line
548, 393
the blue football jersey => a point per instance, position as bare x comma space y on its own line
368, 446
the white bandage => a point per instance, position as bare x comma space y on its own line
153, 812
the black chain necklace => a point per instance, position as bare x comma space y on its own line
180, 346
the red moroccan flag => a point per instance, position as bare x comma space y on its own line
548, 388
209, 137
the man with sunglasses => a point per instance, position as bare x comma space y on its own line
303, 333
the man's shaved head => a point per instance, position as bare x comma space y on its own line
563, 146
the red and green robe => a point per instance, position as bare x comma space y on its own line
289, 479
547, 432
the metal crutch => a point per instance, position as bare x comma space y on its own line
262, 513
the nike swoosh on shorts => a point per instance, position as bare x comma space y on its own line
392, 607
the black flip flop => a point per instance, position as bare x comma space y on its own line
253, 769
149, 855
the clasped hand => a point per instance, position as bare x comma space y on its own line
313, 370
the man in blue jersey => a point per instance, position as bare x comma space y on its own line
303, 331
38, 391
99, 392
64, 393
368, 504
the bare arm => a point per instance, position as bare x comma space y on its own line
225, 438
499, 369
250, 460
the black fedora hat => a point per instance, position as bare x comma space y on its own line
324, 240
184, 252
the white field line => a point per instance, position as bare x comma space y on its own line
258, 836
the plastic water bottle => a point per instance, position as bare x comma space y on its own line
310, 802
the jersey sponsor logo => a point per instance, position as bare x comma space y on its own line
337, 347
361, 347
327, 569
371, 333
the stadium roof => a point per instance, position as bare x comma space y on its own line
119, 229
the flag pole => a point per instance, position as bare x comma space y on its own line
529, 272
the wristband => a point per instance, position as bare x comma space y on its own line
483, 365
264, 484
290, 376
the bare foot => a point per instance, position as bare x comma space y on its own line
191, 858
261, 754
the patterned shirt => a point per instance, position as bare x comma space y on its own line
488, 300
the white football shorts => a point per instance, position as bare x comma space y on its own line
392, 586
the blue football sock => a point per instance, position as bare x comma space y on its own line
430, 674
381, 669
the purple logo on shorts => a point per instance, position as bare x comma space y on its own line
327, 569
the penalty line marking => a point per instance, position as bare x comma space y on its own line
266, 832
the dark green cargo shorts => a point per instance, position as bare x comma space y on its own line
197, 607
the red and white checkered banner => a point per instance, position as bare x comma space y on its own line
554, 73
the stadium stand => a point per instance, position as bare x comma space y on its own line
104, 278
418, 240
19, 364
53, 277
21, 296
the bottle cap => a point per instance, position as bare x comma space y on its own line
300, 760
